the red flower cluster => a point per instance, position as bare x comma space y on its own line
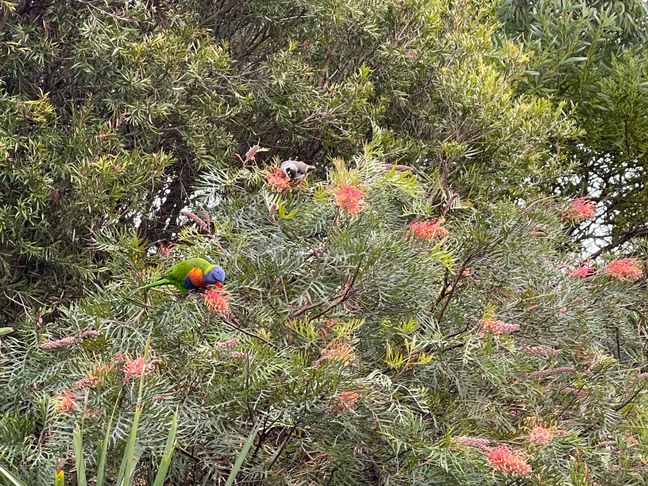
428, 230
498, 327
136, 367
581, 209
541, 436
66, 402
626, 269
583, 271
506, 461
347, 399
277, 180
350, 198
218, 301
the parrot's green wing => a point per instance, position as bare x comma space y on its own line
180, 270
178, 273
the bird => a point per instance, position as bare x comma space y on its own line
189, 274
295, 170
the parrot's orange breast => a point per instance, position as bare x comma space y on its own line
195, 276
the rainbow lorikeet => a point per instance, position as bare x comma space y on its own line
193, 273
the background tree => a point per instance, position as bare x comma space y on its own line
112, 112
592, 55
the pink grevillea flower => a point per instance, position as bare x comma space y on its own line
346, 400
66, 402
88, 381
581, 209
70, 341
94, 378
631, 441
583, 271
626, 269
552, 371
428, 230
326, 326
238, 355
541, 436
251, 153
506, 461
342, 351
350, 198
225, 345
89, 333
66, 342
218, 301
498, 327
476, 442
541, 351
277, 180
136, 367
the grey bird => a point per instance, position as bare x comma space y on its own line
295, 170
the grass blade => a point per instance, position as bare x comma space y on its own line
168, 453
128, 464
103, 448
77, 440
242, 455
10, 477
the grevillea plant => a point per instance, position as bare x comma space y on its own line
358, 338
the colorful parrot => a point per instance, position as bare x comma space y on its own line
193, 273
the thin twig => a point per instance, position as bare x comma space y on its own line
348, 285
630, 399
281, 447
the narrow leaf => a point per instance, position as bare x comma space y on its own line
77, 440
103, 448
165, 462
10, 477
128, 464
242, 455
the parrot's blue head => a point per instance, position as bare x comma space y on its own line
216, 276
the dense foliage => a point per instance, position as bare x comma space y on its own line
593, 55
415, 311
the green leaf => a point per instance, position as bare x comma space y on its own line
574, 59
103, 448
10, 477
129, 461
242, 455
165, 462
77, 440
6, 330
